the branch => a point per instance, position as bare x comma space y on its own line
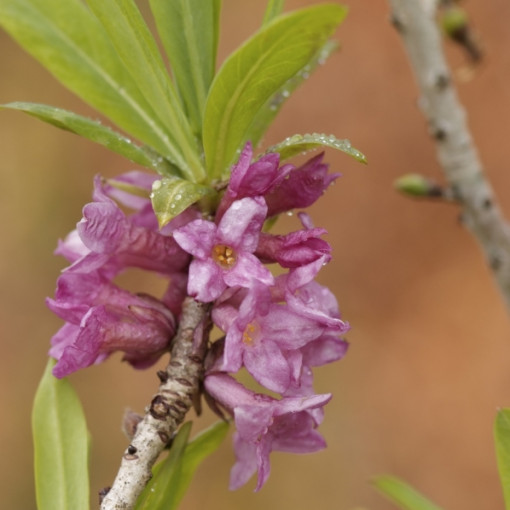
179, 386
455, 148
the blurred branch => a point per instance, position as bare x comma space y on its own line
455, 148
177, 393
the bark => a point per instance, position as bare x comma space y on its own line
175, 397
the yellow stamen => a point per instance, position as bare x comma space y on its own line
224, 255
249, 333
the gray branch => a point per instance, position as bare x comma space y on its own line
457, 154
179, 387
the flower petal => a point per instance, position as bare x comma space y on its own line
268, 366
197, 238
247, 269
241, 224
205, 280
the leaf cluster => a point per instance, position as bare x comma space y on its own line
173, 112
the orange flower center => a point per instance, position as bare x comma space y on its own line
225, 256
249, 333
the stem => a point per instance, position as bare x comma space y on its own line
456, 151
179, 387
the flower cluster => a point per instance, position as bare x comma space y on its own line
276, 327
102, 318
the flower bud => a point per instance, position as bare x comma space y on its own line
417, 185
453, 20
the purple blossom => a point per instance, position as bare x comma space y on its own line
141, 330
295, 249
264, 336
72, 247
223, 253
284, 188
302, 187
128, 189
264, 424
276, 328
107, 230
327, 348
101, 317
311, 300
253, 179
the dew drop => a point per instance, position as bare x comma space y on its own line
295, 139
156, 185
178, 196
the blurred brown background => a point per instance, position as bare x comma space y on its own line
429, 361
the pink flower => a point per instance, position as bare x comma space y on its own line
264, 424
223, 253
252, 179
102, 318
303, 186
295, 249
264, 336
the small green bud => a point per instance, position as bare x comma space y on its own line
453, 20
417, 185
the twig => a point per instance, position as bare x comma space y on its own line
455, 148
179, 386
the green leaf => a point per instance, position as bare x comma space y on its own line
69, 41
274, 8
171, 195
255, 72
170, 482
502, 442
203, 445
402, 494
159, 494
138, 51
97, 132
60, 446
268, 112
298, 144
189, 32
